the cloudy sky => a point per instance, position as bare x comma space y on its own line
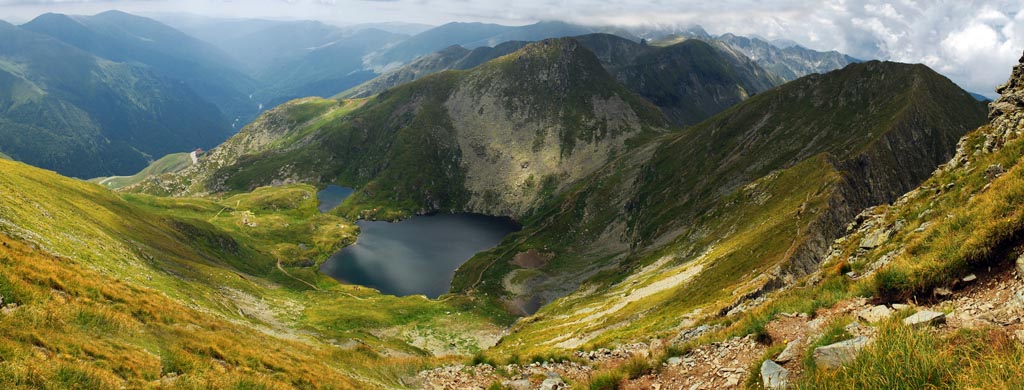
973, 42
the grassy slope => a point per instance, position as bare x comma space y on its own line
959, 221
732, 254
275, 131
118, 265
731, 219
67, 110
970, 220
167, 164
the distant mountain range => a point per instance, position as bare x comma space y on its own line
65, 109
242, 67
127, 38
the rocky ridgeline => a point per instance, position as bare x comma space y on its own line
875, 225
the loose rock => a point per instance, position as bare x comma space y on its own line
875, 239
835, 355
925, 317
774, 376
521, 384
792, 351
1020, 265
875, 314
552, 384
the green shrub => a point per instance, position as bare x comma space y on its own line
606, 381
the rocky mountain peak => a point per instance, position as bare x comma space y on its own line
1006, 120
1011, 93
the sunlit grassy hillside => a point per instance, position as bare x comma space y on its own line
170, 163
112, 292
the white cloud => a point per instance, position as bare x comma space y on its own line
974, 42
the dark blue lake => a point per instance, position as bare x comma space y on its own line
418, 255
331, 197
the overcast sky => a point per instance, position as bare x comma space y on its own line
973, 42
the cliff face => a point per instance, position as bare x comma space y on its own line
511, 148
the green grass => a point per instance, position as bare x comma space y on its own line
740, 253
607, 381
168, 164
143, 286
904, 358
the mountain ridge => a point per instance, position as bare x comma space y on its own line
448, 103
123, 37
69, 110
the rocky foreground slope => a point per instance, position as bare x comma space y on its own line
925, 292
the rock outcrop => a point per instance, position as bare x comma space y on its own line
1011, 94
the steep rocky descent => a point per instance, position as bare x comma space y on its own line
696, 223
952, 245
498, 139
963, 219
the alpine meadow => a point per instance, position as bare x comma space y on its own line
465, 195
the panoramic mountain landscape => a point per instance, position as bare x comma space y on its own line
281, 198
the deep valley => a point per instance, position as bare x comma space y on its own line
277, 204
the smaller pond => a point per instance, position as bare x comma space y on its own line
331, 197
418, 255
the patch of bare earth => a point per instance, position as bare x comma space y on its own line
532, 259
993, 300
